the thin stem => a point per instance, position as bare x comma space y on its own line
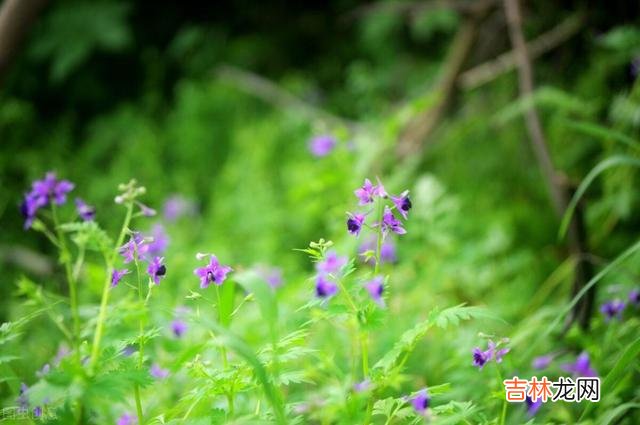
503, 415
136, 389
65, 257
223, 353
95, 349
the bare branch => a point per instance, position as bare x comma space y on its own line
272, 93
16, 17
506, 62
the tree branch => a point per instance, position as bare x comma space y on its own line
506, 62
555, 182
16, 17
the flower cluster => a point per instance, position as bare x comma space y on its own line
614, 309
43, 193
214, 272
368, 194
328, 269
138, 249
480, 357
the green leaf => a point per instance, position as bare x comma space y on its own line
584, 185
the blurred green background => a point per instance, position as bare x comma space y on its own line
170, 93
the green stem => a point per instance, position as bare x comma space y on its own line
503, 415
136, 391
223, 354
95, 349
65, 257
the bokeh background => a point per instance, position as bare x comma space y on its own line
217, 102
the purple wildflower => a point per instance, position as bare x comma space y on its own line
145, 210
135, 249
325, 288
175, 207
213, 272
129, 350
127, 419
581, 367
159, 240
23, 398
542, 362
375, 287
402, 203
44, 371
532, 406
634, 297
390, 223
480, 358
156, 269
178, 327
354, 223
322, 145
368, 191
85, 211
37, 411
42, 193
271, 275
612, 309
157, 372
331, 264
420, 401
116, 276
362, 386
387, 251
497, 354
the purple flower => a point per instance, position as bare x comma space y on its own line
480, 358
129, 350
354, 223
322, 145
612, 309
331, 264
157, 372
159, 240
178, 327
23, 398
581, 367
116, 276
375, 287
387, 251
213, 272
156, 269
542, 362
420, 401
402, 203
44, 371
532, 406
145, 210
390, 223
368, 191
271, 275
37, 412
136, 248
325, 288
42, 193
127, 419
634, 297
497, 354
85, 211
362, 386
175, 207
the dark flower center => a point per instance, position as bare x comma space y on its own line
162, 270
352, 225
210, 277
321, 291
425, 403
380, 290
406, 204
